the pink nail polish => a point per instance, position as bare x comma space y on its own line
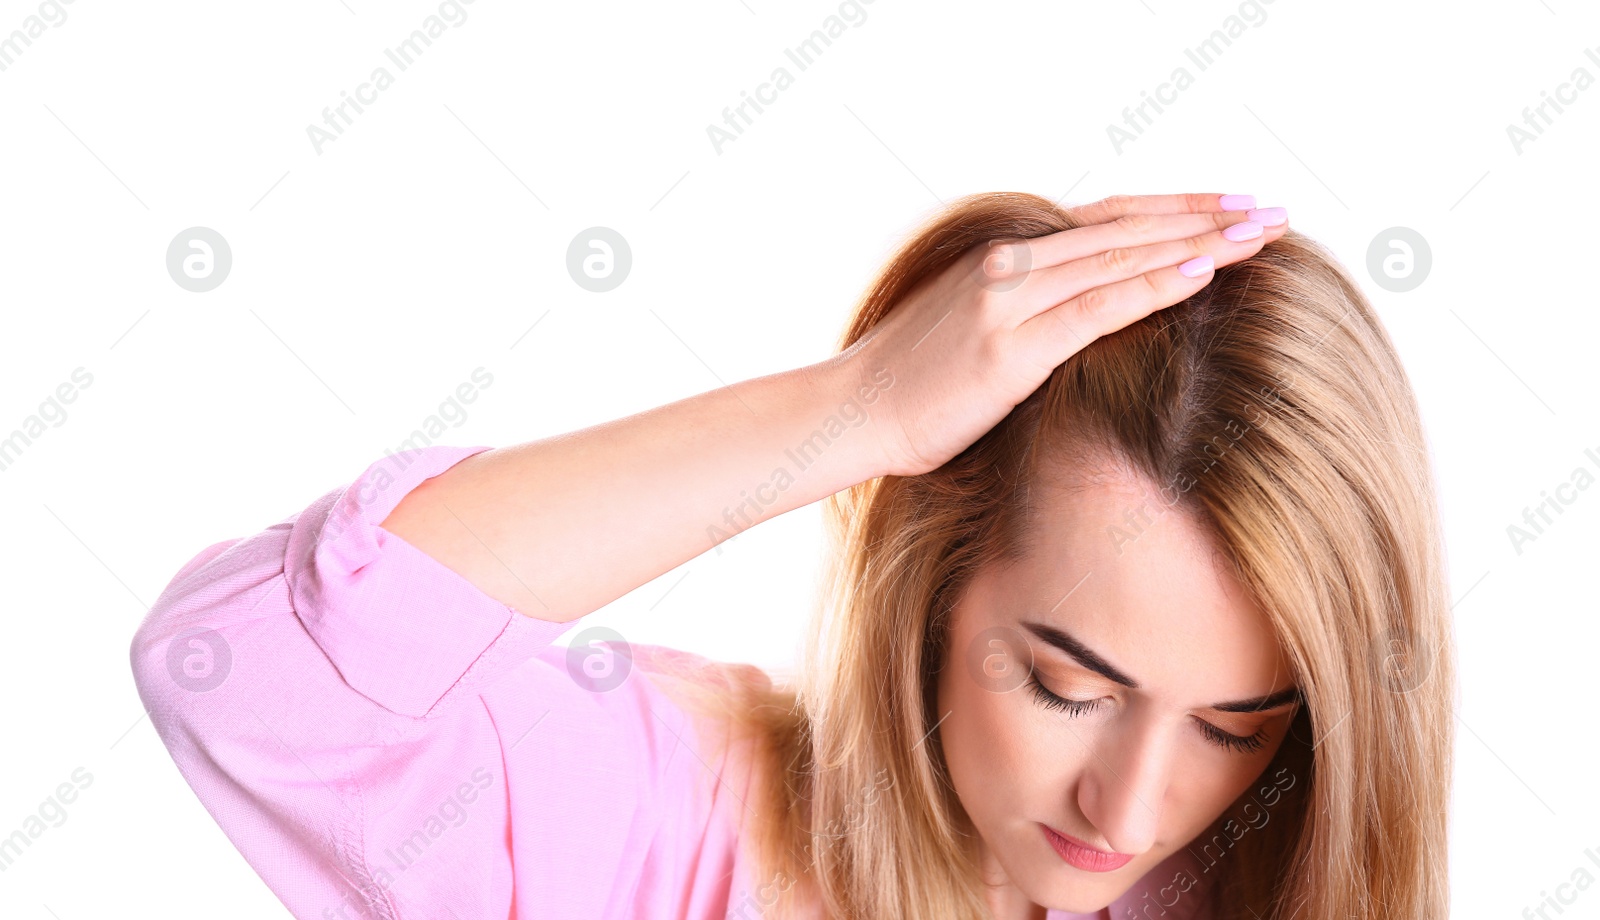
1248, 230
1196, 266
1269, 217
1236, 202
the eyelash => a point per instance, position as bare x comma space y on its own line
1233, 742
1050, 701
1212, 733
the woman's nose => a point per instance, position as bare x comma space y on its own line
1125, 783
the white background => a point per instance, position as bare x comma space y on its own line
369, 280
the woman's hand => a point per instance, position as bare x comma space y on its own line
968, 346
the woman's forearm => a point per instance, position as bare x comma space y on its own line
559, 527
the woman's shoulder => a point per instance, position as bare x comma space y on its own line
728, 715
668, 703
720, 699
670, 662
679, 718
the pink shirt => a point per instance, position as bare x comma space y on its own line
379, 738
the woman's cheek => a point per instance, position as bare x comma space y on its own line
986, 726
1024, 744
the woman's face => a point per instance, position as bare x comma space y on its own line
1126, 616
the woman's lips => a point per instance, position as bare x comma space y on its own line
1079, 854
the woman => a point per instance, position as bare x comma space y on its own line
1137, 610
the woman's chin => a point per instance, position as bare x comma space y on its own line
1079, 892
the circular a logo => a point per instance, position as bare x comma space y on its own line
199, 659
1399, 259
598, 259
199, 259
1004, 266
999, 659
1403, 665
599, 659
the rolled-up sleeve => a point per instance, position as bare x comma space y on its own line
403, 629
317, 685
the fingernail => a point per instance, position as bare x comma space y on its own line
1247, 230
1236, 202
1269, 217
1196, 266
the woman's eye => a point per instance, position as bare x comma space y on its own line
1050, 701
1232, 742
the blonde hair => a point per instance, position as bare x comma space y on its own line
1273, 403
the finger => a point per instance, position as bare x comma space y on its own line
1109, 209
1044, 288
1056, 334
1124, 232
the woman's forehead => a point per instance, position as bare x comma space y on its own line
1143, 582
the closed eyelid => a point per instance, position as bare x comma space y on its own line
1254, 723
1065, 701
1069, 677
1234, 728
1065, 669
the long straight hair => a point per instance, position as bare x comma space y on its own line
1272, 403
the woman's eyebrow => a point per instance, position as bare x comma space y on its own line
1079, 653
1082, 654
1255, 704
